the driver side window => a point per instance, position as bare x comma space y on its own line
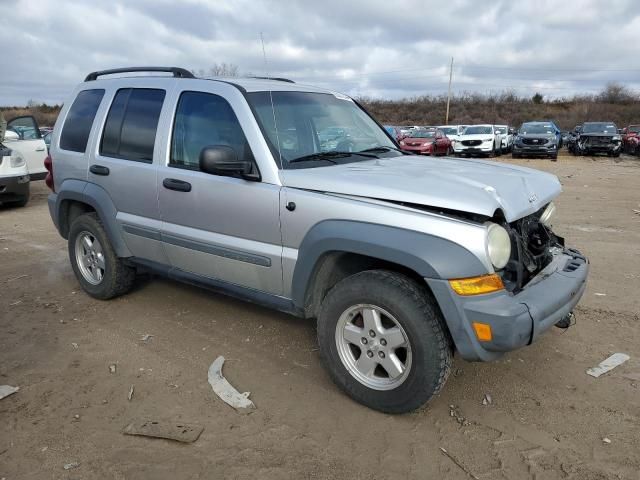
202, 120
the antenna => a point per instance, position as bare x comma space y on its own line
264, 56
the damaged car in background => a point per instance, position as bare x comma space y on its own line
598, 137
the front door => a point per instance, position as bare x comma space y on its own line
219, 227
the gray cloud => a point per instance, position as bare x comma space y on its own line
388, 49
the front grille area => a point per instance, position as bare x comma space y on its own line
534, 141
414, 144
600, 141
471, 143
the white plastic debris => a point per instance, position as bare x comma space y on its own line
606, 440
130, 394
6, 390
609, 364
112, 368
146, 337
69, 466
598, 294
225, 390
487, 399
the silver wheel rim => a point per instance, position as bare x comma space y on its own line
90, 258
373, 347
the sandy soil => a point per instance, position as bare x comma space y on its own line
547, 419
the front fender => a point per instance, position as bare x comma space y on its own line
427, 255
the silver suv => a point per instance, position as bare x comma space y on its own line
294, 197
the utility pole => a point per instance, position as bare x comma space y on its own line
446, 118
264, 56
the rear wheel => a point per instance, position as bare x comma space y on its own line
101, 273
383, 341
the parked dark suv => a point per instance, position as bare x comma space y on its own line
536, 139
598, 137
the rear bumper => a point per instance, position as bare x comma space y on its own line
14, 188
515, 320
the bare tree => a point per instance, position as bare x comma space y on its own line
615, 93
218, 70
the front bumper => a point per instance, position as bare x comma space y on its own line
419, 150
15, 188
515, 320
482, 148
521, 149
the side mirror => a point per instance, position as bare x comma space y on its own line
223, 160
10, 136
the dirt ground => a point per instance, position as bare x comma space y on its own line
547, 418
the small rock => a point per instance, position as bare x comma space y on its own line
76, 416
69, 466
112, 368
44, 449
606, 440
62, 321
487, 399
146, 337
74, 345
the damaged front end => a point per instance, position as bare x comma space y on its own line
591, 144
533, 245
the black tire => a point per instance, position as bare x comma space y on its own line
554, 158
417, 313
118, 277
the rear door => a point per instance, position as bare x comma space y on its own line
219, 227
123, 164
30, 144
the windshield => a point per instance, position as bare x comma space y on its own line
537, 128
477, 130
599, 128
302, 124
501, 130
634, 128
449, 130
422, 134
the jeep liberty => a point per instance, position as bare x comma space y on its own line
295, 198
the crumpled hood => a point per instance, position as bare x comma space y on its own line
473, 186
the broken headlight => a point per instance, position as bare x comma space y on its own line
498, 245
548, 214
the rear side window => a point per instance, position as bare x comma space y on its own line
204, 119
77, 125
130, 129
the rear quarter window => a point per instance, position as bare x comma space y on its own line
77, 125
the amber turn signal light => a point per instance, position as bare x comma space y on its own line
477, 285
483, 331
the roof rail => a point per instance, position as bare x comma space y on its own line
278, 79
177, 72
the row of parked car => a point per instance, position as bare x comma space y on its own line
532, 139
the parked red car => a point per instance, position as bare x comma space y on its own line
426, 142
633, 145
630, 137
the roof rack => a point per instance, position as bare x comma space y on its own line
278, 79
177, 72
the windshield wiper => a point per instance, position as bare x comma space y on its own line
383, 148
328, 156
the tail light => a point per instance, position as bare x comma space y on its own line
48, 164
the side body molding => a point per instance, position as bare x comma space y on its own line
429, 256
96, 197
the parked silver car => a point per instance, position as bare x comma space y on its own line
225, 183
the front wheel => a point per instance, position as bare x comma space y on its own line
383, 341
101, 273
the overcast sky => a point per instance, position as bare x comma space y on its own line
383, 49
